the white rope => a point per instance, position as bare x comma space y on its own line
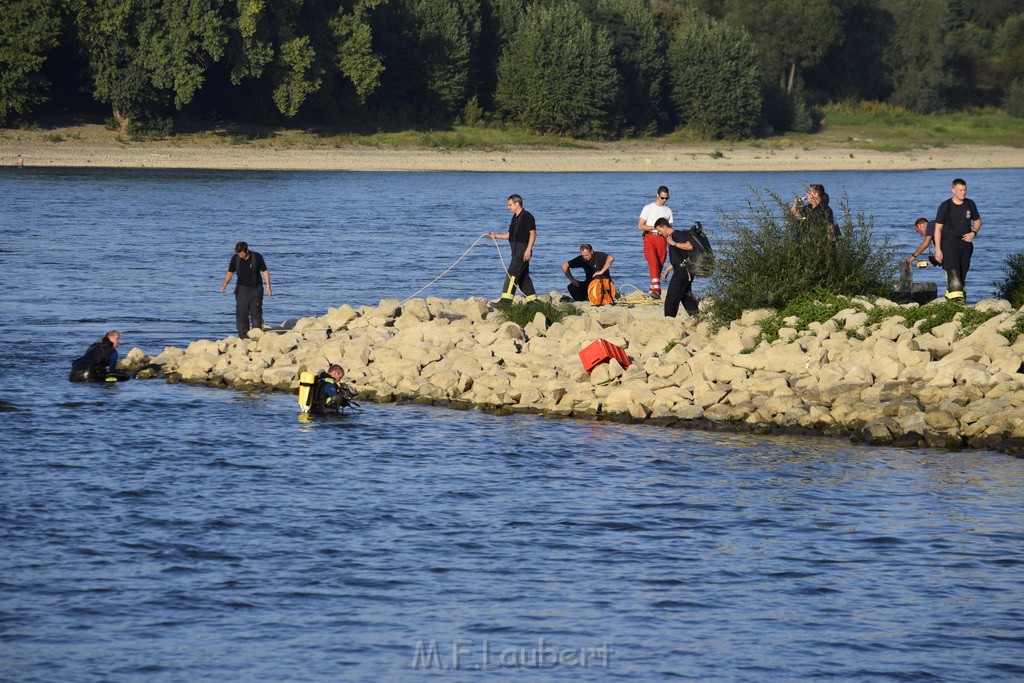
449, 268
647, 299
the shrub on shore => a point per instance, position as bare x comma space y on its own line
1011, 287
772, 258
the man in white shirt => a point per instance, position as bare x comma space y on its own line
654, 243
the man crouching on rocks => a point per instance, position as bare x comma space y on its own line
595, 265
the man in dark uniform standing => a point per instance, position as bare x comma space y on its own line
680, 289
521, 234
957, 223
248, 293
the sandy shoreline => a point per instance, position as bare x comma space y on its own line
105, 151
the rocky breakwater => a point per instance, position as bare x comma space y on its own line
879, 383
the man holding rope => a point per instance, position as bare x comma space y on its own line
521, 234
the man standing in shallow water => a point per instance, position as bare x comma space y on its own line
957, 224
248, 294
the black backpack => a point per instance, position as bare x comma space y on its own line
318, 404
702, 257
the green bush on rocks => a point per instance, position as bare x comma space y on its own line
772, 258
1011, 287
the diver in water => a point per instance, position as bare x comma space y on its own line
99, 361
335, 393
325, 394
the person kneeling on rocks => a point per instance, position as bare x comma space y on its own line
99, 360
595, 264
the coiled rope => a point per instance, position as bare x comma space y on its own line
635, 298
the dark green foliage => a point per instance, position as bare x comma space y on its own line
430, 47
594, 68
145, 56
789, 111
970, 72
355, 56
1013, 101
1008, 49
772, 258
790, 36
296, 75
522, 313
914, 56
150, 129
991, 14
178, 40
556, 74
853, 68
288, 46
1011, 287
448, 37
816, 305
715, 78
1015, 331
638, 50
804, 118
28, 30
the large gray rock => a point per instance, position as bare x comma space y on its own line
897, 385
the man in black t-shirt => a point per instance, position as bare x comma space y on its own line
595, 264
521, 234
957, 223
250, 267
680, 289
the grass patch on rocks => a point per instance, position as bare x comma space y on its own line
1014, 332
522, 313
821, 305
934, 314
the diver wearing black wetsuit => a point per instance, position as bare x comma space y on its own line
99, 360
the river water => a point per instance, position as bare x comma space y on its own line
172, 533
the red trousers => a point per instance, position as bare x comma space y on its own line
655, 247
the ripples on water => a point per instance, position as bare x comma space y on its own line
256, 547
166, 532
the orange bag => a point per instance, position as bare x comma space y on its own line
601, 291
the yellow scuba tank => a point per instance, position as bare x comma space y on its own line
306, 382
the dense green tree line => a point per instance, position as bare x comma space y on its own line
596, 68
